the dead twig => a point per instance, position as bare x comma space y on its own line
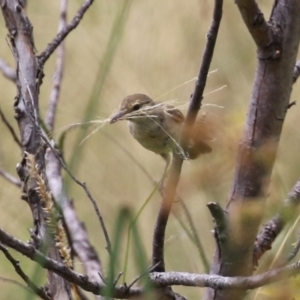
39, 291
58, 73
43, 57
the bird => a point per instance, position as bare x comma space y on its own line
158, 126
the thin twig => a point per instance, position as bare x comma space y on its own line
7, 71
84, 186
39, 291
118, 278
175, 170
10, 178
43, 57
58, 74
140, 276
194, 237
10, 128
76, 231
60, 269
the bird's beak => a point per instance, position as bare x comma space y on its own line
117, 116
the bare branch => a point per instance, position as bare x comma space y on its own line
257, 152
87, 191
58, 73
175, 170
225, 283
140, 276
26, 113
10, 128
7, 71
60, 269
43, 57
194, 237
159, 279
255, 22
10, 178
76, 230
39, 291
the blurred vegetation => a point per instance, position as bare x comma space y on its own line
158, 47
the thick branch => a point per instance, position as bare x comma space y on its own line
27, 112
60, 269
269, 102
159, 279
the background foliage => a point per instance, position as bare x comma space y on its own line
156, 46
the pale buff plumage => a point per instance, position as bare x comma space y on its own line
157, 126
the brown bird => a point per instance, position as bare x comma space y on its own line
158, 126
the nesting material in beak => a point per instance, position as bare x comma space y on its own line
117, 116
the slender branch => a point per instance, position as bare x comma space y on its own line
296, 71
12, 179
43, 57
194, 237
7, 71
76, 231
58, 74
87, 191
10, 128
39, 291
175, 170
117, 278
140, 276
63, 271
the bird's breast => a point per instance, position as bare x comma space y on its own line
153, 134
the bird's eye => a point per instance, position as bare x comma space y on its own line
136, 106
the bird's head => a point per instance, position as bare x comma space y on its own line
132, 106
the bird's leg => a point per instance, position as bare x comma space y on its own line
166, 158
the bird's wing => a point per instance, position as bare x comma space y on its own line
175, 113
